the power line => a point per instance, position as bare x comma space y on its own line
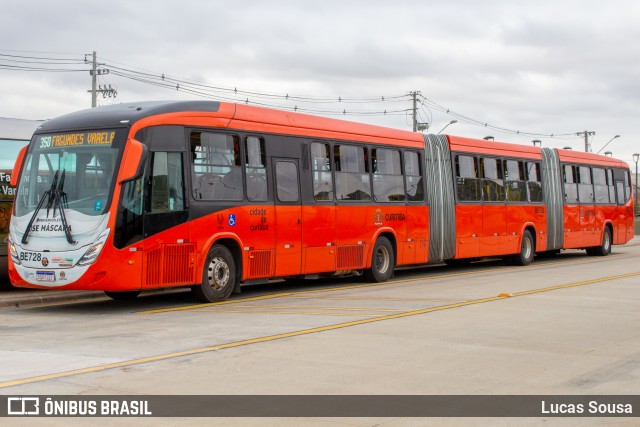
487, 125
260, 98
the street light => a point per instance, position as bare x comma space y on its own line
636, 156
488, 138
537, 143
445, 126
617, 136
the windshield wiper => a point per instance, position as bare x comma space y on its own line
60, 200
54, 197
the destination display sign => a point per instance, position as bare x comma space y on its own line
99, 137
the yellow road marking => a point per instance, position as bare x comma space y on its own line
303, 307
369, 299
225, 310
309, 291
162, 357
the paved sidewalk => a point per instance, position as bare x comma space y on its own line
13, 297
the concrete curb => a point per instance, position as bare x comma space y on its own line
46, 297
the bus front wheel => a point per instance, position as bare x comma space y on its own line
218, 275
382, 261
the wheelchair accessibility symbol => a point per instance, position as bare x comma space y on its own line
232, 220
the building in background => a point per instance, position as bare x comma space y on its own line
14, 134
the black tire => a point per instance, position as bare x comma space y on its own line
123, 296
218, 275
527, 250
382, 262
605, 247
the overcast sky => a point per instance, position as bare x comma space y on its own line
543, 67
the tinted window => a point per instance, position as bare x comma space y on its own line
570, 185
534, 184
492, 183
321, 167
413, 176
166, 183
515, 185
287, 181
255, 169
387, 175
585, 188
216, 172
352, 173
600, 188
467, 181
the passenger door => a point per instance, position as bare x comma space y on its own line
168, 253
288, 217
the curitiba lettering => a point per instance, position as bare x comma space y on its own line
395, 217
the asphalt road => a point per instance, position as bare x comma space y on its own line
564, 325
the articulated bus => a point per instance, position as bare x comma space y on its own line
213, 195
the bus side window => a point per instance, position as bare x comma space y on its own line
627, 186
611, 184
516, 187
413, 176
585, 188
570, 185
492, 182
167, 194
467, 181
352, 173
216, 168
534, 184
255, 169
321, 167
387, 175
601, 191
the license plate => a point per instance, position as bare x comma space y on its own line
46, 276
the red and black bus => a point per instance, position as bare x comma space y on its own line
213, 195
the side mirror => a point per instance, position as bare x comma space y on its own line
17, 167
133, 161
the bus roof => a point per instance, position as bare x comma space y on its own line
482, 146
236, 116
571, 156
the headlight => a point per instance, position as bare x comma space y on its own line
14, 252
92, 253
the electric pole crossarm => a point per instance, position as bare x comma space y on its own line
95, 72
586, 134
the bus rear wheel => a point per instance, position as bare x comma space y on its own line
218, 275
122, 296
527, 250
382, 261
605, 248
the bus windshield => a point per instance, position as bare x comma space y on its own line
80, 165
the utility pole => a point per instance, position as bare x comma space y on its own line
586, 133
414, 94
93, 81
95, 71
